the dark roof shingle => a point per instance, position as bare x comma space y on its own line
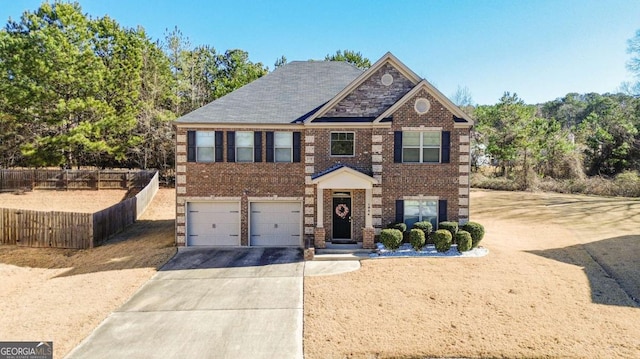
288, 94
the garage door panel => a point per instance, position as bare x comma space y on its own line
213, 224
276, 224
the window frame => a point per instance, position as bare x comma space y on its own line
276, 147
422, 203
251, 147
422, 146
353, 154
212, 147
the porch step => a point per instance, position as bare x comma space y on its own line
341, 252
340, 257
343, 247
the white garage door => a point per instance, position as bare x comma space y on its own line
213, 224
276, 224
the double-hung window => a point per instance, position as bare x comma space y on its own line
205, 146
421, 210
342, 143
421, 146
244, 146
283, 146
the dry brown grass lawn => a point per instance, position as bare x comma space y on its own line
61, 295
558, 282
63, 201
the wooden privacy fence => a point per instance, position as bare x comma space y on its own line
73, 230
46, 229
20, 180
117, 217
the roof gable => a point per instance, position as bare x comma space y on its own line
461, 116
343, 176
387, 59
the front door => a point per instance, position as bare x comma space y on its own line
342, 217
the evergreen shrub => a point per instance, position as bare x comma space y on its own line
399, 226
417, 238
476, 230
463, 238
442, 239
425, 226
391, 238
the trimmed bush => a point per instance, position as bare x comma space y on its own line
399, 226
476, 230
391, 238
442, 239
452, 227
417, 238
425, 226
463, 238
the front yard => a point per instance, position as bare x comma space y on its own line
558, 282
61, 295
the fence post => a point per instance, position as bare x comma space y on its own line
48, 223
91, 232
98, 179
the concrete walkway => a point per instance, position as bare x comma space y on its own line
210, 303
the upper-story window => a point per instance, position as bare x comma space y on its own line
421, 146
244, 146
283, 146
342, 143
205, 146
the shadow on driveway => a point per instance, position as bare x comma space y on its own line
203, 258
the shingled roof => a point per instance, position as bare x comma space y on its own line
289, 94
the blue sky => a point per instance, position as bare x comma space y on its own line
539, 49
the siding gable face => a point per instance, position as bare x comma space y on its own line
372, 97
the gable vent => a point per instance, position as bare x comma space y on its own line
422, 106
387, 79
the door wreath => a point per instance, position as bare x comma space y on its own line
342, 210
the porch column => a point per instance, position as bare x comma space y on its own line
319, 234
320, 207
368, 232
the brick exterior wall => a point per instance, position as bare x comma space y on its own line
374, 155
239, 181
362, 149
422, 179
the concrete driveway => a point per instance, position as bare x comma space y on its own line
210, 303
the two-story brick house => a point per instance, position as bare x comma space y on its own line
320, 151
